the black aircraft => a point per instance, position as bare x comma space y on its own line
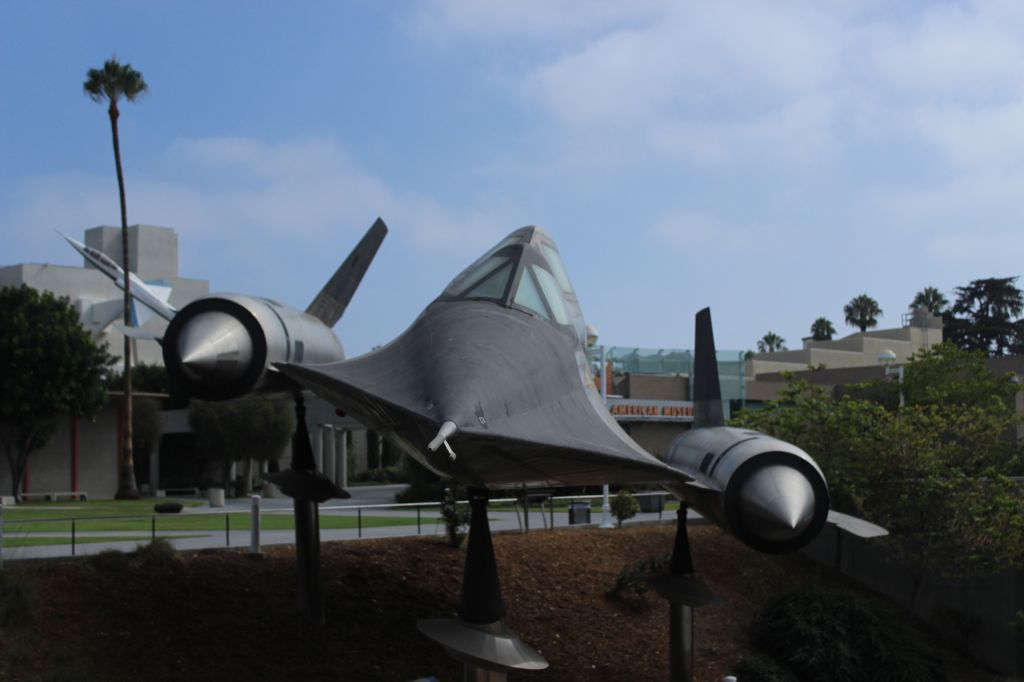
492, 386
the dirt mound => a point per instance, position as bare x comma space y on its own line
220, 615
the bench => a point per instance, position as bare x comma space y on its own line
53, 497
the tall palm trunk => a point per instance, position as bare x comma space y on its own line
126, 488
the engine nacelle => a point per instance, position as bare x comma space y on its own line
768, 493
222, 346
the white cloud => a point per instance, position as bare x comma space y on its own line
693, 59
802, 132
982, 139
792, 83
955, 50
217, 191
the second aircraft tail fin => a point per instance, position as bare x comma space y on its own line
329, 305
707, 392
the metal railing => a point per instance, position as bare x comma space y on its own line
72, 526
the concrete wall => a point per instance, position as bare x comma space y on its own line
153, 251
655, 386
986, 605
50, 466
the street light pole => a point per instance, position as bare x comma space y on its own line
606, 507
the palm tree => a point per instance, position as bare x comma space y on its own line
111, 83
822, 329
862, 312
930, 299
770, 343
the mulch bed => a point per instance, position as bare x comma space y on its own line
220, 615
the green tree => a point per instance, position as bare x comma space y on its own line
253, 428
934, 472
110, 84
862, 312
771, 343
49, 366
822, 329
931, 299
983, 317
624, 506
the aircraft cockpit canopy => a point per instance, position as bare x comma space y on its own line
523, 271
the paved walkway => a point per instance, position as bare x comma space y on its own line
430, 524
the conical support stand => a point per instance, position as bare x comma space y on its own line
307, 487
684, 594
479, 637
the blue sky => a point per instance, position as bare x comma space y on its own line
771, 160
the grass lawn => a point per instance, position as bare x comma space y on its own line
137, 516
61, 510
197, 522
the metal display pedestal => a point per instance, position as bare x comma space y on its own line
479, 638
684, 594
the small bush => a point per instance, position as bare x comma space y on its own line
624, 506
16, 601
158, 553
630, 586
843, 637
107, 560
455, 520
759, 668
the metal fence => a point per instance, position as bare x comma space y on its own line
68, 530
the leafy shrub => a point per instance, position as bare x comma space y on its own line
158, 554
455, 520
630, 585
759, 668
624, 506
107, 560
842, 637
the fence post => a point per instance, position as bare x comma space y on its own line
152, 529
360, 521
417, 524
72, 537
1, 535
227, 530
254, 542
551, 500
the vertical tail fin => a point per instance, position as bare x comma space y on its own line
707, 392
329, 305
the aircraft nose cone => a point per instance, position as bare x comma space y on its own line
213, 348
777, 503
